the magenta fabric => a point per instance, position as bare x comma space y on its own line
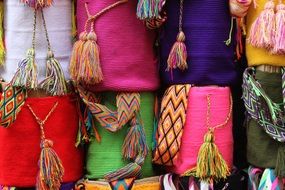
126, 47
195, 127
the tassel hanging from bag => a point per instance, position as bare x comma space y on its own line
149, 9
135, 141
279, 40
51, 170
2, 47
263, 28
26, 74
37, 4
55, 80
178, 53
76, 56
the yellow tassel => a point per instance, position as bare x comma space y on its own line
90, 71
210, 163
2, 47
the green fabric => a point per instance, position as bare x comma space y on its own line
106, 156
261, 148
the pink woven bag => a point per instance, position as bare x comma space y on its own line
126, 55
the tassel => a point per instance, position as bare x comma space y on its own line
2, 47
38, 3
55, 81
26, 75
279, 45
76, 56
130, 170
148, 9
89, 68
280, 162
51, 169
263, 28
135, 141
178, 54
210, 163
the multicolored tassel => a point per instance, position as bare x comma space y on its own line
148, 9
2, 47
51, 169
254, 177
38, 3
263, 28
130, 170
210, 163
178, 54
135, 141
279, 40
26, 75
55, 82
269, 181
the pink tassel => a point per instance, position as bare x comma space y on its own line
178, 54
279, 45
263, 28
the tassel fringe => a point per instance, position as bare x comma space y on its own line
90, 71
51, 169
210, 163
263, 28
130, 170
279, 44
38, 3
148, 9
55, 81
26, 75
135, 141
178, 54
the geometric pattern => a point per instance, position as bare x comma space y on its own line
127, 105
123, 184
259, 107
171, 123
12, 100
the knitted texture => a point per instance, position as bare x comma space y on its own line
260, 56
20, 144
106, 156
18, 27
126, 47
261, 148
206, 26
196, 126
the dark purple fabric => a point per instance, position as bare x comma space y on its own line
206, 26
67, 186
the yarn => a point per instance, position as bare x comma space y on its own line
210, 61
196, 127
20, 145
129, 67
239, 8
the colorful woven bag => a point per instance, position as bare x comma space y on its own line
131, 67
210, 60
12, 100
106, 157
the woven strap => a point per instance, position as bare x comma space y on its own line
170, 126
12, 100
260, 107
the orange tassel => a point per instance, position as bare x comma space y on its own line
178, 54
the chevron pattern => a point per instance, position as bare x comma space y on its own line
127, 104
170, 125
257, 108
123, 184
12, 100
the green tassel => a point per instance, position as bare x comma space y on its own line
280, 162
26, 75
54, 83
